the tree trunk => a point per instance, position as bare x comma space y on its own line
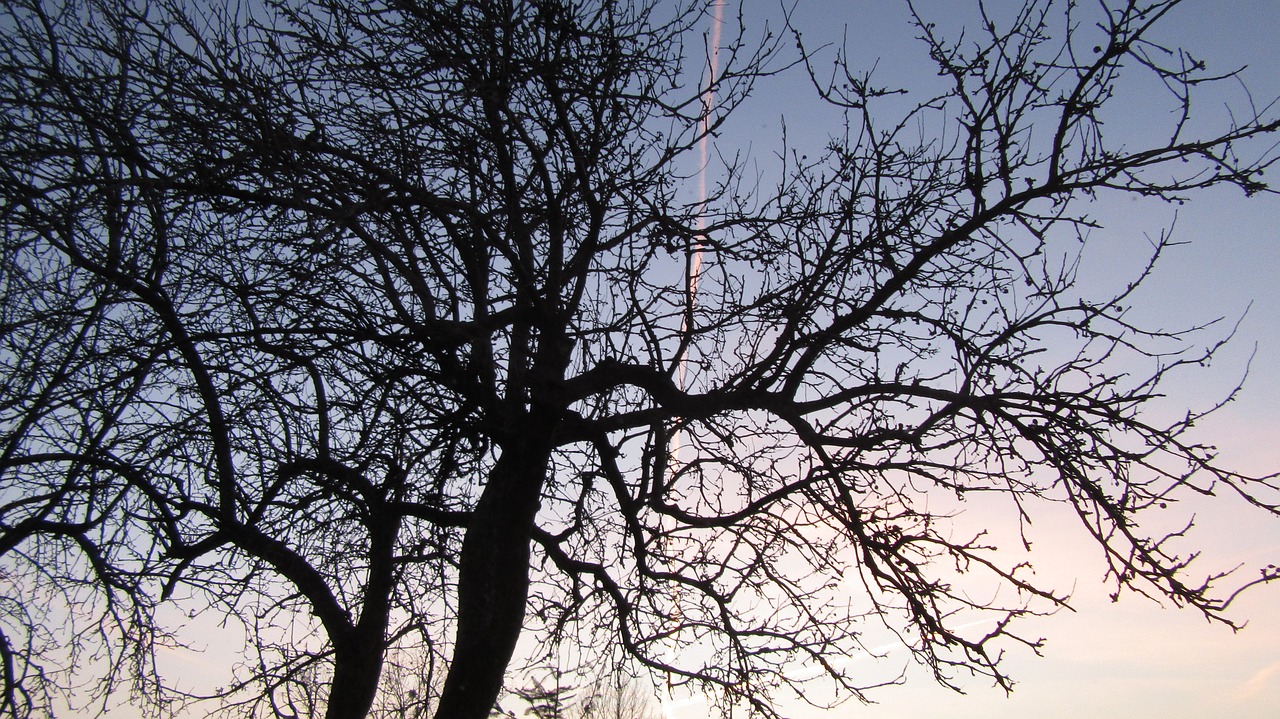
358, 657
357, 669
493, 575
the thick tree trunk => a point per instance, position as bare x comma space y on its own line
358, 657
357, 669
493, 576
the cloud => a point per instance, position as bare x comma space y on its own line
1259, 682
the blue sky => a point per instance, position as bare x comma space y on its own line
1133, 657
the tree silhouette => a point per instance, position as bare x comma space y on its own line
611, 694
369, 327
551, 699
615, 695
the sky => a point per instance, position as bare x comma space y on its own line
1134, 657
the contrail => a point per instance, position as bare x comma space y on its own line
695, 270
708, 104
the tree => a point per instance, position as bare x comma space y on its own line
616, 695
372, 327
547, 700
611, 694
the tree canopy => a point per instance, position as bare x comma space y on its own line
391, 332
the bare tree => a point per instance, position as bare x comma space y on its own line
617, 695
370, 327
612, 693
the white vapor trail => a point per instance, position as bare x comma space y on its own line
708, 104
670, 704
